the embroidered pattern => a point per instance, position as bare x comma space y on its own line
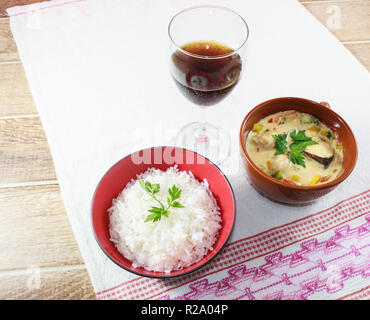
314, 257
315, 267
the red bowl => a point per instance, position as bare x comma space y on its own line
117, 177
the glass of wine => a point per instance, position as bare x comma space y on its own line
207, 46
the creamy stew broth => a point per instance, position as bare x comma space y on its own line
295, 148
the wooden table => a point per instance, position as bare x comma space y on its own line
39, 256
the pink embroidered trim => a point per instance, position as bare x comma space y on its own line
42, 8
315, 267
249, 248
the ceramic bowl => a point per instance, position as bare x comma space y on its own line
290, 193
117, 177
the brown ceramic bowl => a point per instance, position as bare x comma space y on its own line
289, 193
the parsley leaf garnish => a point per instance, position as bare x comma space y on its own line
158, 212
300, 135
280, 143
301, 142
296, 148
296, 157
299, 146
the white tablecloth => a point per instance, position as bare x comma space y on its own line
98, 74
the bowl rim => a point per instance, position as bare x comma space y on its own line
169, 275
332, 183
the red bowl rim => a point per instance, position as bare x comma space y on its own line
332, 183
169, 275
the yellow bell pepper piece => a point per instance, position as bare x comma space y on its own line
269, 165
291, 116
315, 179
296, 178
257, 127
314, 128
339, 147
327, 134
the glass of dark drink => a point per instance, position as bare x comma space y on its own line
207, 45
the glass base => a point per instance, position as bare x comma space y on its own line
206, 139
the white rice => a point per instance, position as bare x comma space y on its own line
171, 243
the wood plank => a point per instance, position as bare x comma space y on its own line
361, 51
24, 152
34, 229
57, 285
15, 95
8, 48
347, 20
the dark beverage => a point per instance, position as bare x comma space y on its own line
207, 79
